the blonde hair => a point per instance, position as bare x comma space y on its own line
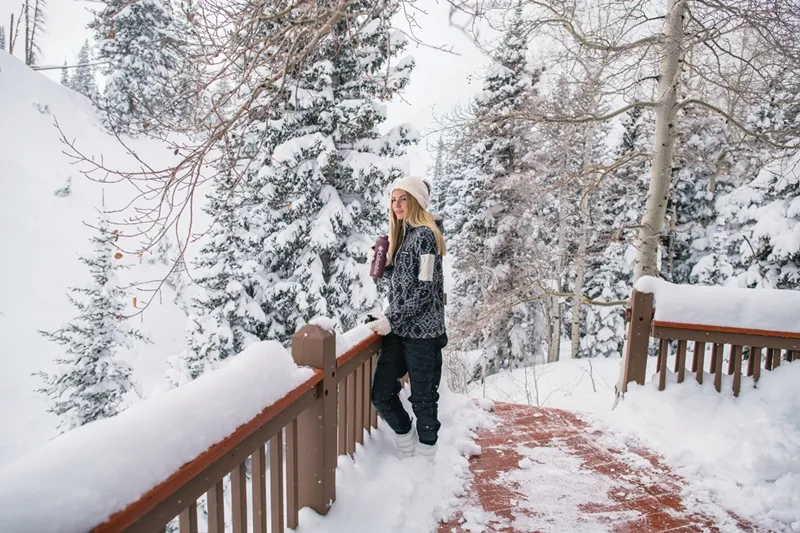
416, 216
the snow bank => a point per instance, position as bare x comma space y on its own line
744, 452
765, 309
79, 479
379, 492
44, 201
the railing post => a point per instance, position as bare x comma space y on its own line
635, 362
316, 426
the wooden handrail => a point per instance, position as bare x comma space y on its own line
643, 326
170, 496
136, 510
355, 350
726, 329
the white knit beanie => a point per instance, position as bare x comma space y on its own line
415, 187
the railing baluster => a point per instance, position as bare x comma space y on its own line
698, 365
216, 509
239, 498
731, 362
358, 421
372, 410
259, 490
367, 384
276, 482
292, 502
736, 357
351, 414
341, 438
662, 363
754, 363
187, 521
716, 359
680, 361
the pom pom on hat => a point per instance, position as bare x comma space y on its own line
416, 187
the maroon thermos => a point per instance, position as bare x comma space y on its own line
379, 262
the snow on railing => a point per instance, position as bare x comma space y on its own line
752, 322
149, 464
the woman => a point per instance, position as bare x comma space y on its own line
414, 323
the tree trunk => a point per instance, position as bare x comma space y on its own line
580, 261
661, 174
27, 33
580, 275
554, 348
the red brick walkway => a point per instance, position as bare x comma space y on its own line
546, 470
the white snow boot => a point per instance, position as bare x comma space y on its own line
426, 450
405, 443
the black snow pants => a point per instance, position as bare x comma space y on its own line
422, 359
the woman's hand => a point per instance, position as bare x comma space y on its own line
380, 325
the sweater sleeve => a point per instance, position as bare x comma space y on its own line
418, 290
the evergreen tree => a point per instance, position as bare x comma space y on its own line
2, 37
440, 180
700, 171
609, 273
83, 80
227, 310
91, 382
486, 235
65, 75
764, 217
321, 192
145, 70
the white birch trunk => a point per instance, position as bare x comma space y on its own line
554, 348
580, 275
661, 174
580, 261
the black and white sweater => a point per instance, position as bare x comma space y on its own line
416, 286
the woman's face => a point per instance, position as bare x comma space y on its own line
399, 204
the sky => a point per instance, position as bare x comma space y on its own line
440, 81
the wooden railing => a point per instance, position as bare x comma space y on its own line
314, 423
749, 350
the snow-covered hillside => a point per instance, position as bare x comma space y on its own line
42, 236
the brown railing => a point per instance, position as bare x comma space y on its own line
314, 423
747, 348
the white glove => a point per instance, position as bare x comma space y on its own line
371, 255
380, 326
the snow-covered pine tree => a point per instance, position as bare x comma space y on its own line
440, 180
485, 242
91, 382
64, 75
764, 216
145, 69
619, 206
323, 188
83, 80
740, 246
700, 169
2, 37
227, 310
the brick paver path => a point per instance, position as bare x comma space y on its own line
546, 471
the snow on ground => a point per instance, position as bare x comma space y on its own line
743, 453
379, 492
43, 236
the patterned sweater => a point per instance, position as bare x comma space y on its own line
416, 286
